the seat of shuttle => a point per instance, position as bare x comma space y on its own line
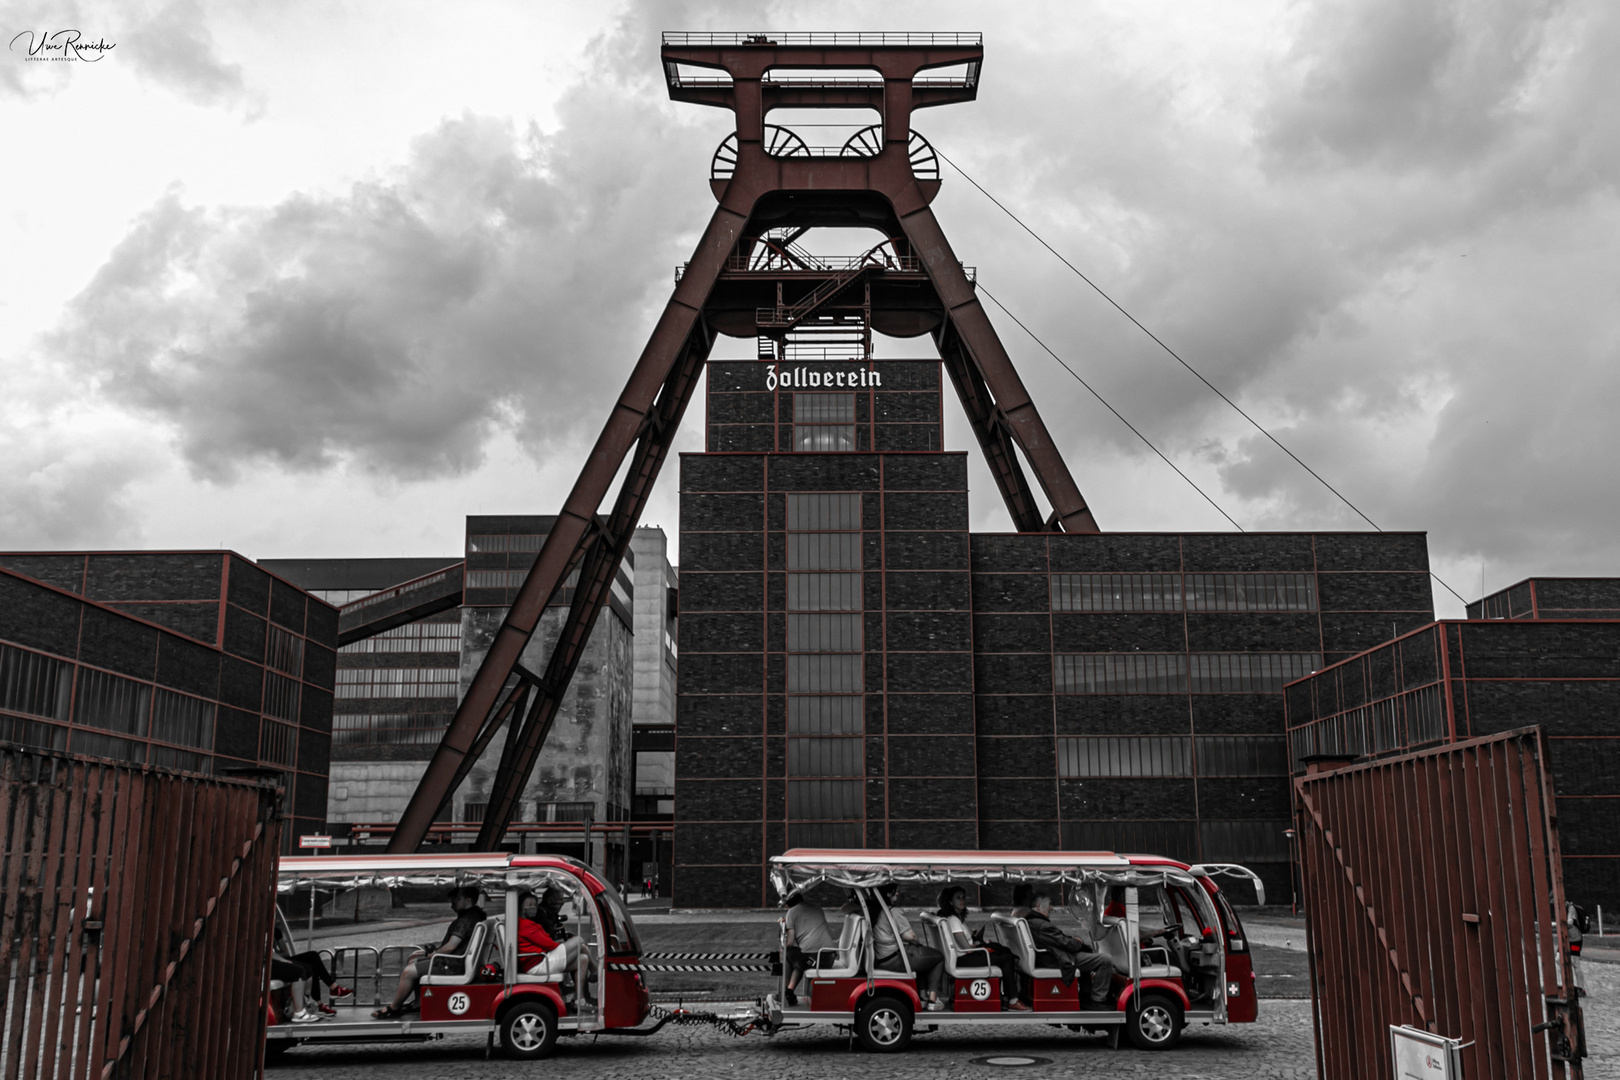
1016, 936
449, 970
845, 961
960, 963
1155, 959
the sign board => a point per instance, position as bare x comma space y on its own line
1422, 1056
314, 841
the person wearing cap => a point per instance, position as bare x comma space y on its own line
464, 902
806, 934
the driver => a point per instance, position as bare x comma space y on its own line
464, 902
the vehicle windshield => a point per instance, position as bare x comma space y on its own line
619, 933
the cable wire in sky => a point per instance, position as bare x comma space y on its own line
987, 294
1177, 357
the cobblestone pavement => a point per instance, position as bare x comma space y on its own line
1277, 1048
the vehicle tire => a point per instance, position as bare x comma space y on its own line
1155, 1022
883, 1024
528, 1031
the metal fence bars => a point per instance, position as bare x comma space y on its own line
1434, 899
137, 907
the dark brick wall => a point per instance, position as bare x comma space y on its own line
157, 621
1499, 675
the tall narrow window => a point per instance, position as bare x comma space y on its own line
826, 662
824, 422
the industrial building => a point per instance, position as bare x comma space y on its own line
1543, 652
859, 669
397, 687
192, 660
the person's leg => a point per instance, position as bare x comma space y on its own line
318, 974
1096, 974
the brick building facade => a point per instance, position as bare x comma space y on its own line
858, 669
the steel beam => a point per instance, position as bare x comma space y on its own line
1013, 406
642, 422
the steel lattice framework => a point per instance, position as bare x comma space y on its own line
744, 279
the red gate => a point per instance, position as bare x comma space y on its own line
1433, 899
136, 920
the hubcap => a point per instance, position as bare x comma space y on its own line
1156, 1023
884, 1027
528, 1032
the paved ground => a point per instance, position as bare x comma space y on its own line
1279, 1047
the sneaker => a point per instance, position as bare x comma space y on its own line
341, 991
325, 1008
308, 1016
790, 997
935, 1006
1017, 1006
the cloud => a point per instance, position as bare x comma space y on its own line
175, 48
498, 276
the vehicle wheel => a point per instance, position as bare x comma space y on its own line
883, 1024
528, 1031
1155, 1023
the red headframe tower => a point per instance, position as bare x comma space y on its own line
749, 278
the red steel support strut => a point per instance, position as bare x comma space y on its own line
763, 181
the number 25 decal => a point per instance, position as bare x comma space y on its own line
459, 1003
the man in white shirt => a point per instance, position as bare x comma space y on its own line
807, 935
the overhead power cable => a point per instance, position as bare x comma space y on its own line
1175, 355
991, 297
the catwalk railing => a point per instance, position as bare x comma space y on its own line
136, 922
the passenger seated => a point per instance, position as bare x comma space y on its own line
953, 910
315, 970
464, 902
806, 933
926, 963
1073, 955
534, 943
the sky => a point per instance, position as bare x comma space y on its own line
319, 280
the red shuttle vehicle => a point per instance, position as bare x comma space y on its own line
376, 910
1178, 950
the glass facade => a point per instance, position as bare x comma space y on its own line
1183, 592
825, 661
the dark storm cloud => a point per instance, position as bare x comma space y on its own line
498, 276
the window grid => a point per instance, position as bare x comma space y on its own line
281, 696
1085, 756
112, 703
414, 637
487, 543
1179, 673
182, 719
398, 683
1179, 592
34, 685
285, 652
825, 658
388, 729
278, 742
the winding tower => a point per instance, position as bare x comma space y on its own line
751, 277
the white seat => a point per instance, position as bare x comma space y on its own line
1015, 933
1155, 960
448, 970
553, 965
843, 962
959, 963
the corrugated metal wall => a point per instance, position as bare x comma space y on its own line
136, 919
1434, 899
